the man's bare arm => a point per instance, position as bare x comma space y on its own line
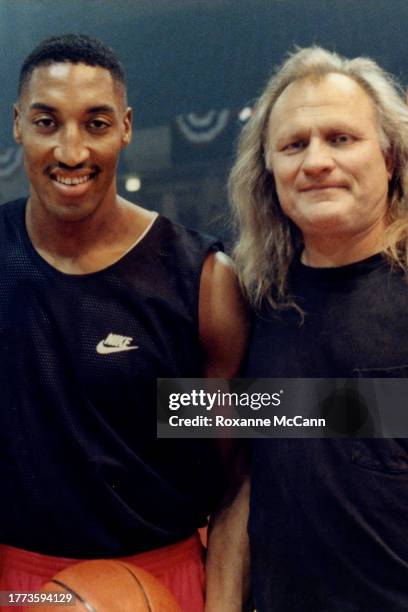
224, 333
227, 566
222, 317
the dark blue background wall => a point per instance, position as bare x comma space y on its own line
184, 56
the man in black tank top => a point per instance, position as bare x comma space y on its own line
99, 298
320, 191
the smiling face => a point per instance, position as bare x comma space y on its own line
323, 149
72, 123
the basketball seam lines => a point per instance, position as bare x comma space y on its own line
87, 605
140, 585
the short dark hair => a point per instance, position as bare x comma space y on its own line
75, 49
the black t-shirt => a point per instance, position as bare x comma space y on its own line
82, 473
329, 517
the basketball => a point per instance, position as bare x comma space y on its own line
109, 586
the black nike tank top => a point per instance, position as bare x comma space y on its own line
82, 473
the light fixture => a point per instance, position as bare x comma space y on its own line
133, 183
245, 113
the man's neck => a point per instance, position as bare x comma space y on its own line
91, 244
334, 252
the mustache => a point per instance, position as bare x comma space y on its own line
53, 168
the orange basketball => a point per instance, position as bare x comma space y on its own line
109, 586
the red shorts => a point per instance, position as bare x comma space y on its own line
179, 567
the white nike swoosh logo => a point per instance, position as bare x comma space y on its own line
103, 349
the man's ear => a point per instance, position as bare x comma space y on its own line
16, 123
127, 132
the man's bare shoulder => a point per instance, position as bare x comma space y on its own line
223, 317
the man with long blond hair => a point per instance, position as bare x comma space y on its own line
319, 191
